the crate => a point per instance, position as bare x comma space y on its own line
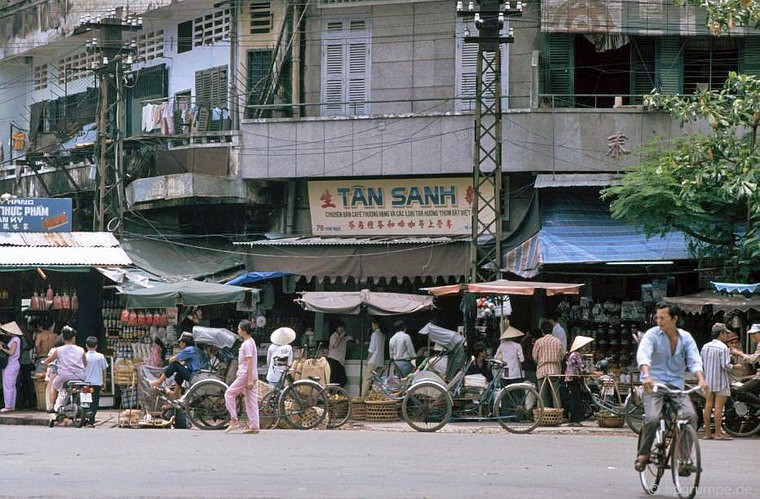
551, 417
358, 410
380, 410
40, 389
609, 421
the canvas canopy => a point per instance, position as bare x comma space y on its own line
187, 293
696, 303
506, 287
354, 302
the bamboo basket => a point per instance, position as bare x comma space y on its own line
40, 390
609, 421
551, 417
358, 410
381, 410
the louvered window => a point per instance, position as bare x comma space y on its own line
750, 59
76, 66
211, 87
261, 17
345, 67
559, 60
643, 74
467, 71
150, 45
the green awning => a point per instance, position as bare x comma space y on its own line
187, 293
46, 268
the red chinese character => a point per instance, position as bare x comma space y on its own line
326, 199
439, 223
421, 224
401, 223
391, 224
410, 224
448, 223
351, 224
380, 224
469, 195
361, 224
370, 224
430, 224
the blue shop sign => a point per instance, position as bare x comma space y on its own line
35, 215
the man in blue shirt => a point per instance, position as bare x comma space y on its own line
183, 365
664, 354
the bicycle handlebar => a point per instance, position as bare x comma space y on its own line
672, 391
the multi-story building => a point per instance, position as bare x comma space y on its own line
239, 116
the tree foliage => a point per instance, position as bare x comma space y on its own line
725, 15
703, 185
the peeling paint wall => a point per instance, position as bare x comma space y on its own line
29, 24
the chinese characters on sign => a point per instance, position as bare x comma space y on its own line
385, 207
616, 145
35, 215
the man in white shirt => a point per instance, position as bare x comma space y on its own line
401, 350
376, 357
558, 331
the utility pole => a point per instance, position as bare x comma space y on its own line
113, 56
485, 246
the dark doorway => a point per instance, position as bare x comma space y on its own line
600, 75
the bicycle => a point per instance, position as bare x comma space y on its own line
673, 436
339, 405
429, 403
302, 404
633, 408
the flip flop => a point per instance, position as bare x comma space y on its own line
724, 437
707, 438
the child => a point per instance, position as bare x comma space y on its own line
95, 373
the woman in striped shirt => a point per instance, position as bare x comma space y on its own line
716, 363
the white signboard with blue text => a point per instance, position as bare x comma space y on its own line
390, 207
35, 215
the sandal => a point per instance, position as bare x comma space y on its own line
641, 463
724, 437
232, 427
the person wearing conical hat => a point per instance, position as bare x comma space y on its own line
510, 352
573, 378
279, 354
11, 346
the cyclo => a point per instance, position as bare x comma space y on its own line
203, 399
430, 402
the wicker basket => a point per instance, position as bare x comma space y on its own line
551, 417
381, 410
358, 410
40, 389
609, 421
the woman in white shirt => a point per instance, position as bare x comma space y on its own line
279, 354
510, 352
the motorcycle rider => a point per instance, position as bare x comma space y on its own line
71, 362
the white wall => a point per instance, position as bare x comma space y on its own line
14, 88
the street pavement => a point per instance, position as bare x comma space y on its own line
362, 460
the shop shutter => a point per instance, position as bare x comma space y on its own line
643, 75
670, 65
749, 63
560, 68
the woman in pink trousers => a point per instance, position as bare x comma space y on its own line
245, 383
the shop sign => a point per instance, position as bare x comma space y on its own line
35, 215
388, 207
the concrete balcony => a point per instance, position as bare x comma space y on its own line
534, 140
42, 176
185, 189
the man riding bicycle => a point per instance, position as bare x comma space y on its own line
664, 353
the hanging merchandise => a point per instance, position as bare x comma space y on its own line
18, 141
125, 316
35, 302
74, 301
56, 302
65, 301
49, 295
132, 318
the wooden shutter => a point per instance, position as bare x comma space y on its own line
345, 61
670, 65
643, 75
333, 81
468, 75
560, 68
749, 63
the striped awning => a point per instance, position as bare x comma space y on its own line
20, 250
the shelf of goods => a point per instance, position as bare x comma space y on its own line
130, 333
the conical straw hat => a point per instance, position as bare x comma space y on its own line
510, 332
282, 336
580, 342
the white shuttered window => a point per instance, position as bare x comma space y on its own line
345, 67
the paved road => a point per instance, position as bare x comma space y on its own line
114, 462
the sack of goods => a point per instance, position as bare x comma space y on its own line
475, 381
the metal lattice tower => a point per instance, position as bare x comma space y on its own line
485, 248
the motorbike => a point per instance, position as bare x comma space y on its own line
741, 417
75, 404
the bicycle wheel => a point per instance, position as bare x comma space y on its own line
303, 405
269, 415
204, 405
737, 419
652, 474
339, 406
634, 413
426, 407
78, 418
686, 462
518, 408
